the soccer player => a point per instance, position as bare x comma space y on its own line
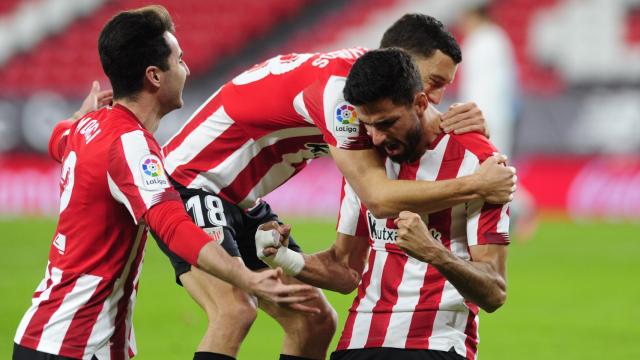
113, 188
420, 293
262, 128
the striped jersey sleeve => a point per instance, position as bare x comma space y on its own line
486, 223
351, 218
136, 174
334, 116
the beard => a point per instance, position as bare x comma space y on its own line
410, 145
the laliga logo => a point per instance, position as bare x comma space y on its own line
346, 114
152, 167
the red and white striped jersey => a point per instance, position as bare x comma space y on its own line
265, 125
406, 303
112, 174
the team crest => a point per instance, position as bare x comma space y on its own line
345, 120
153, 176
216, 233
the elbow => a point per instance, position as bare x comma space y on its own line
379, 207
353, 279
495, 301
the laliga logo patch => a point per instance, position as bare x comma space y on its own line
153, 177
345, 120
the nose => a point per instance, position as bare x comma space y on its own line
435, 96
378, 137
186, 68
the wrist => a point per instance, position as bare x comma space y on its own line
472, 186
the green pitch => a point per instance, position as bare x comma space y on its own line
573, 294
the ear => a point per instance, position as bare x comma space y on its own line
152, 75
421, 102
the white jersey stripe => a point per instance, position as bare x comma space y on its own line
503, 223
408, 297
203, 135
349, 211
119, 196
301, 109
103, 328
229, 169
431, 161
55, 276
53, 335
331, 98
474, 208
365, 308
194, 114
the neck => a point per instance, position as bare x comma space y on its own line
145, 109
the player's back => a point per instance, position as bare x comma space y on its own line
263, 127
85, 301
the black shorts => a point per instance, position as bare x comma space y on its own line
384, 353
239, 226
23, 353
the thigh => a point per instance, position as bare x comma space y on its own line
215, 296
253, 218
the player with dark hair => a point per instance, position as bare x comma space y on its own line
113, 188
420, 294
262, 128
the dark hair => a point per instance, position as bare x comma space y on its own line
383, 74
421, 35
130, 42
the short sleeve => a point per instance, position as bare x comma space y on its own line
335, 117
136, 174
351, 218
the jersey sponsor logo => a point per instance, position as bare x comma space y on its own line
379, 230
60, 243
346, 120
153, 177
216, 233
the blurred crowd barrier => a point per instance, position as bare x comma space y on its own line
606, 187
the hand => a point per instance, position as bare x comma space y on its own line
462, 118
415, 239
269, 248
268, 285
496, 181
94, 101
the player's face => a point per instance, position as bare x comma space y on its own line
175, 77
397, 129
437, 72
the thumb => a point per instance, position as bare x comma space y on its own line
95, 86
284, 230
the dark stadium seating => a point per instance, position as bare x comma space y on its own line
207, 30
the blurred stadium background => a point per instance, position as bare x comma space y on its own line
576, 142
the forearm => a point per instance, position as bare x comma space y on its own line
394, 196
214, 260
325, 270
477, 282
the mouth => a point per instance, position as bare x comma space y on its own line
392, 148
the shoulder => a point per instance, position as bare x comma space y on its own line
338, 62
475, 143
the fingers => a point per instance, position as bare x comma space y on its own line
468, 129
457, 109
284, 230
500, 158
269, 251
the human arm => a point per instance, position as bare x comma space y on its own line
481, 280
462, 118
337, 269
365, 172
173, 226
95, 100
